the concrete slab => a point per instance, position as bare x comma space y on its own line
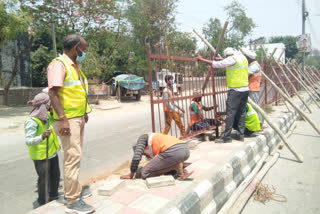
109, 187
160, 181
149, 203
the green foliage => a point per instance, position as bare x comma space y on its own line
40, 58
290, 43
313, 61
182, 40
12, 22
239, 27
74, 16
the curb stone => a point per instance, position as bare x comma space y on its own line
211, 193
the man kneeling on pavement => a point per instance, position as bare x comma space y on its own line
252, 123
167, 154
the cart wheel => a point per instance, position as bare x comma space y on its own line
138, 96
118, 93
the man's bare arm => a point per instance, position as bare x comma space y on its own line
64, 128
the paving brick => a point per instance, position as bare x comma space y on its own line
169, 192
109, 187
129, 210
160, 181
126, 195
107, 206
149, 203
203, 164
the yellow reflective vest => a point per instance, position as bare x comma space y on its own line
72, 96
237, 75
252, 122
38, 152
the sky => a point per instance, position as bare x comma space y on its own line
272, 17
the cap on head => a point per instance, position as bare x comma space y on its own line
248, 53
228, 52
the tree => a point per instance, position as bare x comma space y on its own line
239, 27
151, 21
74, 16
13, 23
182, 40
290, 43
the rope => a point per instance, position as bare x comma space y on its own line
264, 194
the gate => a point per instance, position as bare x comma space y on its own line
189, 76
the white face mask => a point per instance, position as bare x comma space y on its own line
82, 57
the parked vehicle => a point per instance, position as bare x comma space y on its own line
125, 85
159, 85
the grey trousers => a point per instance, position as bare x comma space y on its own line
166, 161
236, 112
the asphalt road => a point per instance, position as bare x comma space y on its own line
299, 183
107, 144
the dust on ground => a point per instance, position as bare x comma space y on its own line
123, 169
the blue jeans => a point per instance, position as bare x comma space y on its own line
202, 125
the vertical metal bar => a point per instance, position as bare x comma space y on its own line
150, 88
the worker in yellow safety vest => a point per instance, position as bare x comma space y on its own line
36, 136
68, 89
167, 154
236, 66
254, 77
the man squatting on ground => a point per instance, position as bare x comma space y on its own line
68, 89
36, 134
167, 153
197, 120
236, 66
171, 109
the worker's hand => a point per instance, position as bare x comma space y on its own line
46, 134
199, 57
129, 176
218, 58
180, 113
86, 118
64, 127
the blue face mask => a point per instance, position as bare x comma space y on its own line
82, 57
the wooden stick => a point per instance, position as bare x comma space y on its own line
275, 128
212, 49
303, 85
295, 90
205, 41
243, 198
312, 90
293, 105
235, 195
306, 78
276, 75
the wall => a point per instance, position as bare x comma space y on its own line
19, 96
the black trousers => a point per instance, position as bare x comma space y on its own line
54, 178
236, 112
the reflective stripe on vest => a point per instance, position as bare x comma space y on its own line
158, 143
39, 151
255, 79
149, 150
72, 96
237, 74
194, 117
252, 122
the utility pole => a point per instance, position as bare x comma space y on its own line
304, 17
53, 35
